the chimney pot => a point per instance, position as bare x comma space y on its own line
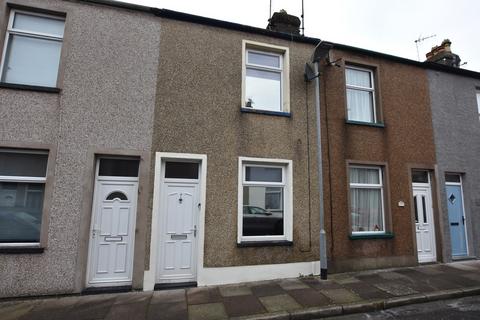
283, 22
443, 54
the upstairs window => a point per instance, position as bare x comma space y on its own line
360, 95
265, 81
32, 49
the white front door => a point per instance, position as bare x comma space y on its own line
179, 210
424, 224
112, 231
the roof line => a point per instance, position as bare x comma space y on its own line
181, 16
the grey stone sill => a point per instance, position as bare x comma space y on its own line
367, 124
27, 87
279, 243
387, 235
266, 112
21, 250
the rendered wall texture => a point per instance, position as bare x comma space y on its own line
457, 139
405, 141
199, 88
107, 80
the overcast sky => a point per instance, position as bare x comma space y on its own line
389, 26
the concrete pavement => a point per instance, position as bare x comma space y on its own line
302, 298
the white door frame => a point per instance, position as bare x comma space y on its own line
150, 275
98, 179
428, 187
463, 207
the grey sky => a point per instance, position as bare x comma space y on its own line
388, 26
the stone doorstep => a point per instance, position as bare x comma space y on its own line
368, 306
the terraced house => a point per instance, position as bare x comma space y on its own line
143, 148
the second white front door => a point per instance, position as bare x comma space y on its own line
179, 210
424, 224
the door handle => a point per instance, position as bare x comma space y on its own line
194, 230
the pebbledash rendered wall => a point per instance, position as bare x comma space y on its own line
200, 82
107, 79
456, 127
402, 142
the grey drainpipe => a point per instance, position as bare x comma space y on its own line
321, 52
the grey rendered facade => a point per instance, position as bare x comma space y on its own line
456, 125
104, 106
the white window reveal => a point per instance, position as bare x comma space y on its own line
22, 188
265, 200
32, 49
366, 200
478, 103
265, 77
360, 95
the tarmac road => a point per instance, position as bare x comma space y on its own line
467, 308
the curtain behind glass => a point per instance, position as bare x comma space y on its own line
364, 175
360, 105
366, 209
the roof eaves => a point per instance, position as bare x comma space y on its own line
175, 15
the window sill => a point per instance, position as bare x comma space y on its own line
387, 235
266, 112
279, 243
29, 87
367, 124
21, 250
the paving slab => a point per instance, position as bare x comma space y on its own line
270, 289
208, 311
367, 291
238, 306
169, 296
167, 311
52, 309
133, 297
16, 310
347, 280
340, 296
282, 302
392, 276
430, 271
235, 290
395, 289
309, 297
92, 307
203, 295
292, 284
128, 311
319, 284
463, 266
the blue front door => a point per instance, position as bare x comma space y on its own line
456, 219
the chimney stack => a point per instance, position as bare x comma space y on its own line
284, 22
443, 54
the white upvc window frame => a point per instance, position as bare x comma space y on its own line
360, 88
284, 70
26, 33
25, 179
380, 186
286, 183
